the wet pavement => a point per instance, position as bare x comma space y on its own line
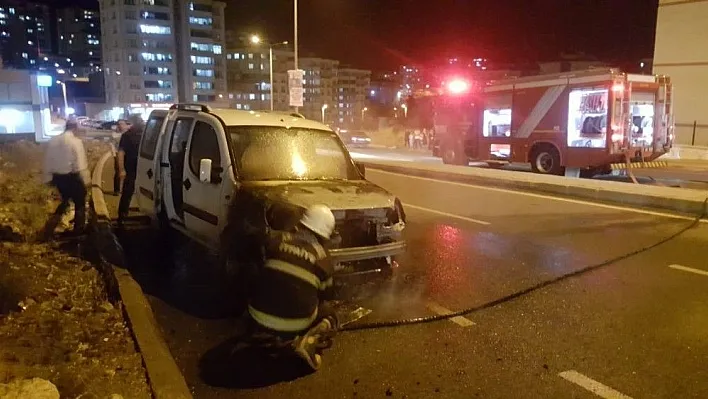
635, 327
692, 174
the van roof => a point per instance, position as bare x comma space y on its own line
234, 117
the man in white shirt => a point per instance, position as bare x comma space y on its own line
66, 168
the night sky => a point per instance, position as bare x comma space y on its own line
381, 34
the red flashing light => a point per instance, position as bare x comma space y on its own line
458, 86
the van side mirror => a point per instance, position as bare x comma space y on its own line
205, 170
362, 168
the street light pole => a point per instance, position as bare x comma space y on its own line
270, 58
295, 35
295, 39
324, 107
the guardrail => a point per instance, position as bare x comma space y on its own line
679, 200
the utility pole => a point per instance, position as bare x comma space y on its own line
295, 40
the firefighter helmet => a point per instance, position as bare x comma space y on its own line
320, 220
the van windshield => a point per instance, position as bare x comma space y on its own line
278, 153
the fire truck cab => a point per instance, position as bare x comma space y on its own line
570, 123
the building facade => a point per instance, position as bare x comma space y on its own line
25, 33
681, 52
79, 36
352, 85
158, 52
332, 94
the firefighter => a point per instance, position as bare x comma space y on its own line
285, 303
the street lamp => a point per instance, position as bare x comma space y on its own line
405, 110
255, 39
324, 107
63, 92
363, 111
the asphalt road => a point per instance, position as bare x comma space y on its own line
636, 327
692, 174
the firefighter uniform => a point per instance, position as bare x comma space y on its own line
287, 295
286, 298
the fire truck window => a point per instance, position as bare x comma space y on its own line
642, 108
497, 116
587, 118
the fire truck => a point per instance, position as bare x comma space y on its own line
574, 123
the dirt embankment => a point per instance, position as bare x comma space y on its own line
55, 321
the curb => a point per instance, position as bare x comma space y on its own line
165, 379
678, 200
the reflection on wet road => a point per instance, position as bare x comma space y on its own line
621, 326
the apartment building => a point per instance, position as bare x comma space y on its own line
249, 78
25, 33
79, 36
325, 99
157, 52
352, 87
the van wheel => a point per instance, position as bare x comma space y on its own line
545, 159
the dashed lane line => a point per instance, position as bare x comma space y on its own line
446, 214
568, 200
591, 385
689, 269
459, 320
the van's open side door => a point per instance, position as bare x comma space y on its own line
148, 172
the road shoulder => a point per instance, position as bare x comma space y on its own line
165, 378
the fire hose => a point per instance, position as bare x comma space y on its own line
529, 290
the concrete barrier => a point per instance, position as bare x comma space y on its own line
686, 152
678, 200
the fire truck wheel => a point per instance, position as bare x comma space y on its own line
452, 156
545, 159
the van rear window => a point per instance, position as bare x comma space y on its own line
150, 136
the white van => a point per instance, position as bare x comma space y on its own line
223, 177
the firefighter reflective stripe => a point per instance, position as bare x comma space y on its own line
281, 324
326, 284
294, 271
639, 165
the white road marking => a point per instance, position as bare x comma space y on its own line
689, 269
459, 320
593, 386
450, 215
572, 201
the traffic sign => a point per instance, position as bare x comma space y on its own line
295, 83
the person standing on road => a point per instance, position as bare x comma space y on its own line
128, 163
66, 168
121, 127
286, 301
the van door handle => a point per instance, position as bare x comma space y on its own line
149, 173
187, 184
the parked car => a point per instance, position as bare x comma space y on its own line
224, 177
356, 139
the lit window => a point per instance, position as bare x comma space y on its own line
250, 66
155, 29
204, 73
251, 96
203, 86
217, 49
201, 60
200, 46
200, 21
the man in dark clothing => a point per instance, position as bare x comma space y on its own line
128, 163
121, 127
285, 301
66, 168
